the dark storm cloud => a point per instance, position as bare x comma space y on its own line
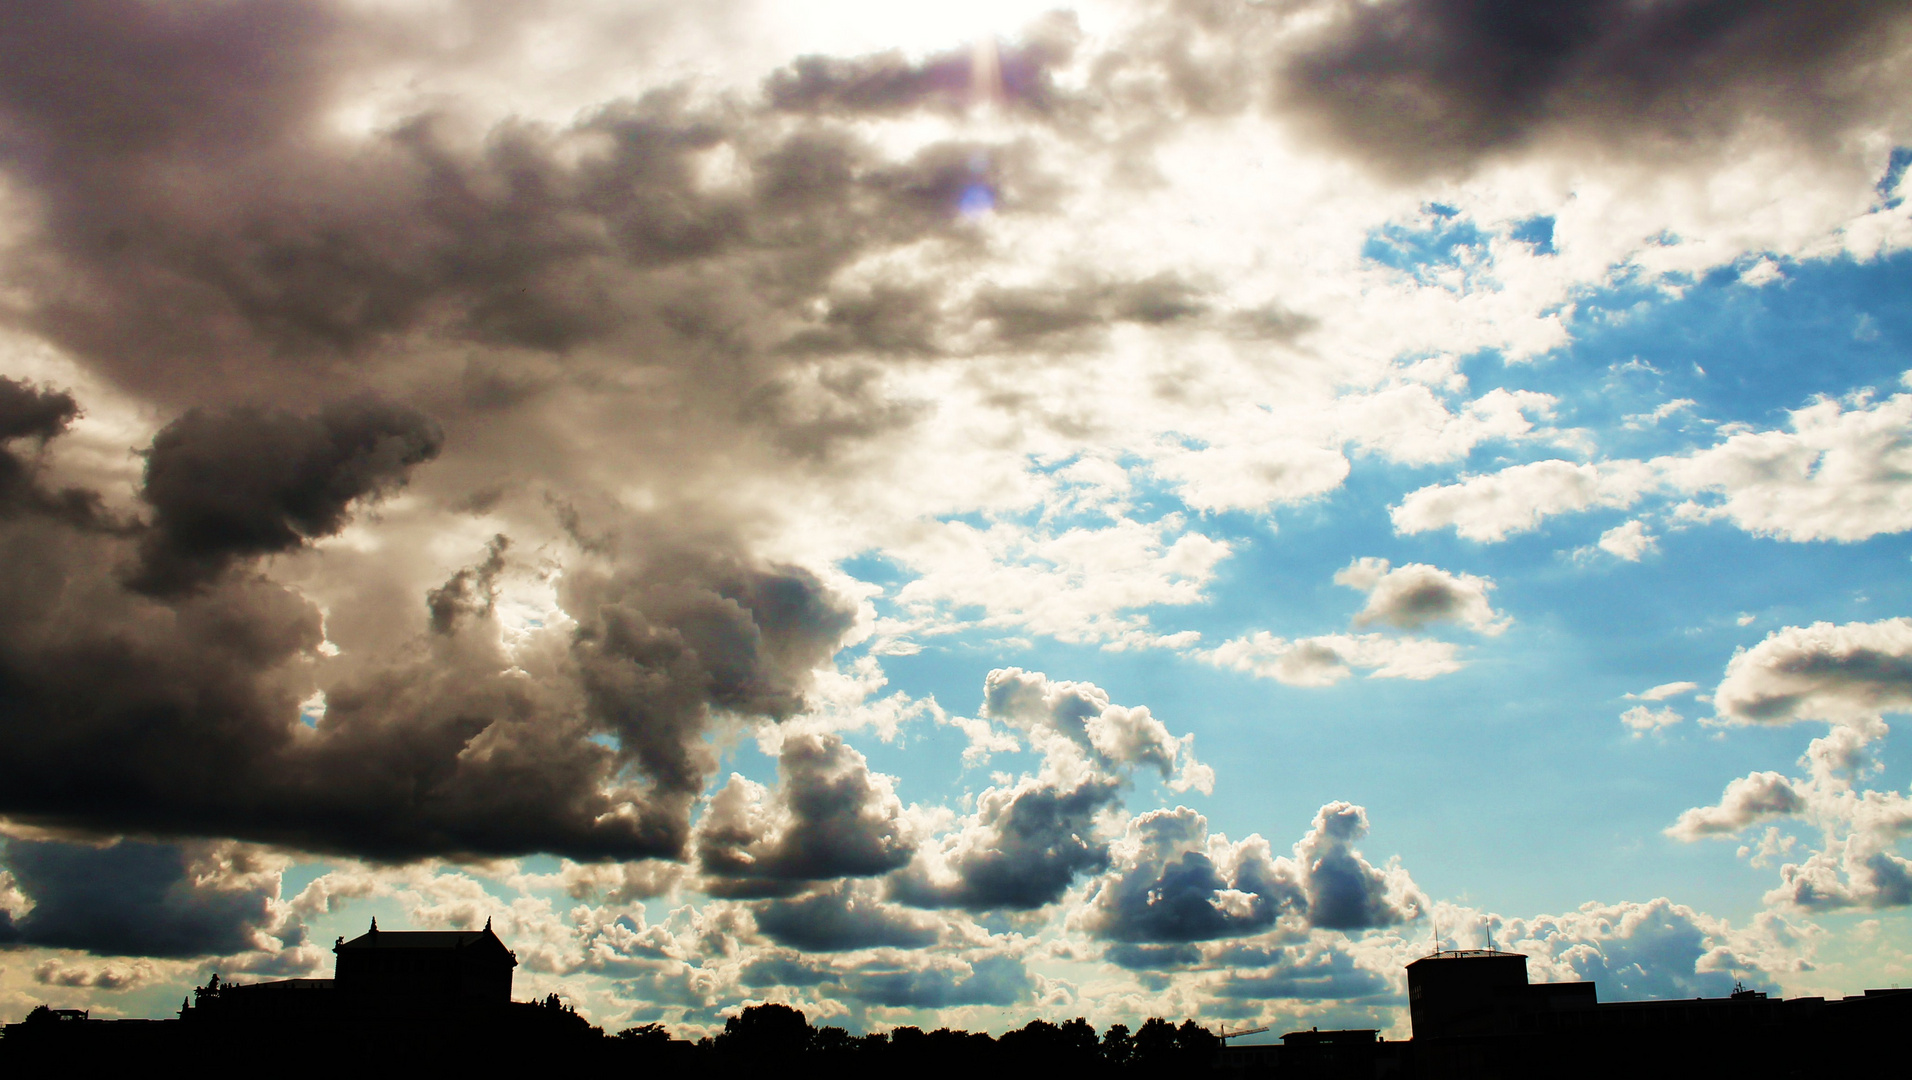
118, 711
829, 817
34, 415
841, 918
199, 229
128, 899
1418, 85
240, 484
472, 591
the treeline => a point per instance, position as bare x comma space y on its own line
777, 1035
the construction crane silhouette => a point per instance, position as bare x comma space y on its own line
1224, 1034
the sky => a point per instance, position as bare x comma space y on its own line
956, 514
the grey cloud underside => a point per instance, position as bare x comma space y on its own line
830, 817
1034, 841
1168, 889
993, 980
29, 417
127, 899
842, 918
179, 713
242, 484
236, 248
1417, 85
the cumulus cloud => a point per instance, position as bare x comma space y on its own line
1652, 949
843, 917
1417, 86
1641, 719
1408, 423
1746, 801
1838, 472
1021, 849
1029, 838
1845, 674
1328, 658
1518, 498
1414, 596
225, 486
131, 898
1630, 541
1071, 716
1664, 691
829, 817
993, 979
1172, 882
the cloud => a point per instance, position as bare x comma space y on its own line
1652, 949
1629, 541
227, 486
845, 916
1746, 801
1079, 584
473, 755
1345, 891
1408, 423
1846, 674
1642, 719
1310, 972
1838, 473
1664, 691
112, 977
998, 979
829, 817
1517, 499
1022, 848
1413, 596
1172, 882
1327, 659
1070, 716
131, 898
1418, 87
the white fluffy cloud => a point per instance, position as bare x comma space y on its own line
1414, 596
1642, 719
1846, 674
1629, 541
1838, 471
1517, 499
1842, 471
1750, 799
1329, 658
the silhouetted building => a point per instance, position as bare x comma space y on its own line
411, 995
457, 969
379, 976
1476, 1015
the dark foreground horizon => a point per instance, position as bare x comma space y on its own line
442, 1000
